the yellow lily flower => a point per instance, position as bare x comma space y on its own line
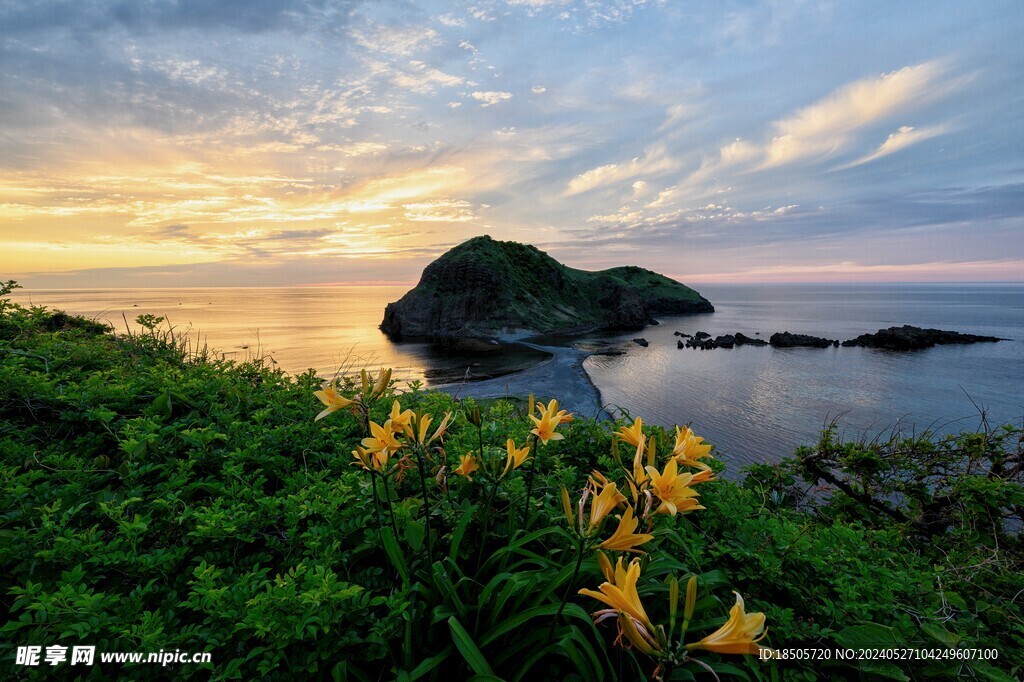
374, 389
691, 598
632, 434
401, 422
370, 460
597, 480
334, 401
690, 448
624, 539
467, 467
516, 456
602, 504
606, 567
673, 489
552, 407
738, 634
423, 422
639, 475
550, 418
382, 439
703, 476
641, 639
567, 506
619, 592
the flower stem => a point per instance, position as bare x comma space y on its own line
485, 525
568, 588
376, 505
391, 510
529, 483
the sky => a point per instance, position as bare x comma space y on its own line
151, 143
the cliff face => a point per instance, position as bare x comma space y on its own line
484, 287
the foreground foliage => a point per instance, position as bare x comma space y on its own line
155, 500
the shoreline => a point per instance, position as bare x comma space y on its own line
562, 376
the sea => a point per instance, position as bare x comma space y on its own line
756, 404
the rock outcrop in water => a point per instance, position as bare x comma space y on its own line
787, 340
483, 287
915, 338
704, 341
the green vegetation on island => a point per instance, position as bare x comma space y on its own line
484, 288
155, 498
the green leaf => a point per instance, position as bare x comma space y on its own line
939, 634
414, 534
468, 648
988, 672
162, 404
956, 600
729, 669
460, 531
520, 619
429, 664
394, 553
866, 636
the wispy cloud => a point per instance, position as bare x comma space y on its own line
825, 127
655, 160
440, 211
904, 137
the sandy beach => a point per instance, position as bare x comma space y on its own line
562, 376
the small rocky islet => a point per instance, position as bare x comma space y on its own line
484, 288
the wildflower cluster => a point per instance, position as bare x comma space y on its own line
652, 492
614, 515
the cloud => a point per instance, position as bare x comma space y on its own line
400, 41
489, 98
450, 21
538, 89
423, 79
825, 127
834, 123
442, 210
656, 160
904, 137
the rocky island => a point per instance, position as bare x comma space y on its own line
916, 338
485, 288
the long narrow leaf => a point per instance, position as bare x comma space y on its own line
468, 648
394, 553
460, 532
520, 619
429, 664
448, 592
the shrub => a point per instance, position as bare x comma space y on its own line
158, 499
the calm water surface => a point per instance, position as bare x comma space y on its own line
755, 404
758, 403
328, 329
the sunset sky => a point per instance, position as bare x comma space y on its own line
270, 142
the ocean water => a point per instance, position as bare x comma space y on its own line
328, 329
756, 404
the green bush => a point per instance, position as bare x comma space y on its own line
155, 498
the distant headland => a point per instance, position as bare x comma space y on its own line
485, 288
